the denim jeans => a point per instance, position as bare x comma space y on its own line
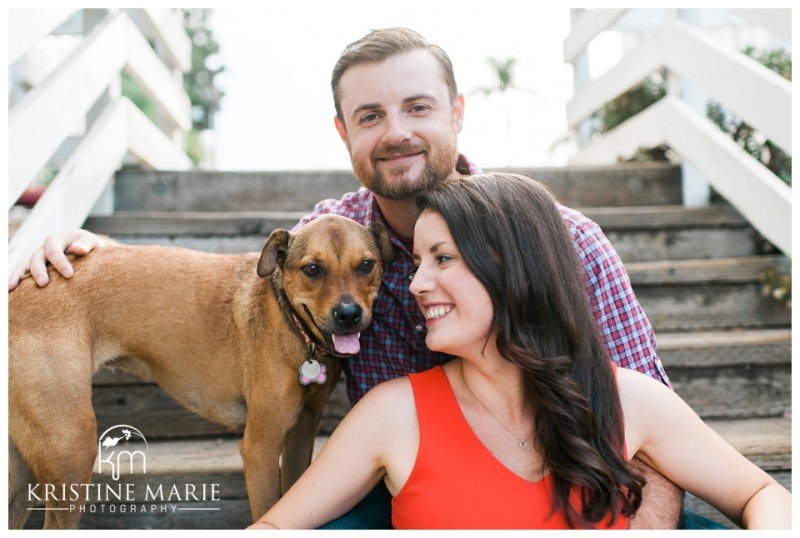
375, 512
693, 521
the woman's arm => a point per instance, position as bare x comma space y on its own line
663, 431
351, 463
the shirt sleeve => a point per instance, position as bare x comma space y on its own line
321, 208
623, 325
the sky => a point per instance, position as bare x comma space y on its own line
277, 113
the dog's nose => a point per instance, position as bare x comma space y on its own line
347, 314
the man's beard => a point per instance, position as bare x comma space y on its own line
438, 167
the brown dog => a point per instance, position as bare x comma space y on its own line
225, 335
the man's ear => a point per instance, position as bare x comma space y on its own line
342, 130
458, 113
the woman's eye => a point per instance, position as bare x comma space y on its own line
413, 273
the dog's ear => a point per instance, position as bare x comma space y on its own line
274, 253
381, 236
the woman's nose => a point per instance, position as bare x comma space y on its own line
420, 283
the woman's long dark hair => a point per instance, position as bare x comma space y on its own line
511, 235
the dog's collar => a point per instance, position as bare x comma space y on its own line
306, 338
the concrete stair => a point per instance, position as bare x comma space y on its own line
726, 348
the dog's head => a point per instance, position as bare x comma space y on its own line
330, 271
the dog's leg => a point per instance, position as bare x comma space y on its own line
20, 475
270, 416
299, 446
69, 459
53, 426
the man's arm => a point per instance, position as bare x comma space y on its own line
54, 250
623, 325
630, 340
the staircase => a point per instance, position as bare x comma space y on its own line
726, 348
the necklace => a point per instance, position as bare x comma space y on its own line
522, 443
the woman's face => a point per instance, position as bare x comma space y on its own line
456, 306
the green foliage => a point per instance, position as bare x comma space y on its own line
631, 102
504, 71
654, 87
777, 283
199, 83
776, 159
138, 97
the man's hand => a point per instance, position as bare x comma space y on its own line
55, 250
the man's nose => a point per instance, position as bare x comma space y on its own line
396, 129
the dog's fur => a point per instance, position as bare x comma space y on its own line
214, 331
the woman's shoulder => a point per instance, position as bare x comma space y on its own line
390, 396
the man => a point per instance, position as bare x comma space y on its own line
398, 113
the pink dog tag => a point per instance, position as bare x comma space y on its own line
311, 371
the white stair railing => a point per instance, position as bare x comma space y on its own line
740, 84
74, 120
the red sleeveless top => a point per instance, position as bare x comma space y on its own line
456, 483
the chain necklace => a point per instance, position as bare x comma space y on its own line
522, 443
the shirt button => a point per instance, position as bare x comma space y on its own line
418, 327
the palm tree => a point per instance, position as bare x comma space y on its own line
503, 70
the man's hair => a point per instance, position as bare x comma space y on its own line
510, 233
380, 45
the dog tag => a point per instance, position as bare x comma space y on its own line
311, 371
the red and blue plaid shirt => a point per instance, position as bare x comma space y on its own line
394, 343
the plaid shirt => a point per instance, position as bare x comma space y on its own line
394, 343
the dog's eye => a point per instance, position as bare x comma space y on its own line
312, 270
366, 266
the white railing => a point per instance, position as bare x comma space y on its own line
700, 68
67, 113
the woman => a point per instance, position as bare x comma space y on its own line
531, 425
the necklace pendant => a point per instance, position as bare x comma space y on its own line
523, 444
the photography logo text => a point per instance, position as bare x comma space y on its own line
121, 484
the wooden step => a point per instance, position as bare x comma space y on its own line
121, 398
728, 374
201, 190
740, 348
695, 295
639, 234
766, 442
652, 233
737, 373
625, 184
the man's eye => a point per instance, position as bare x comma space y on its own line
366, 266
312, 270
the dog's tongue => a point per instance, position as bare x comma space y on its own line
346, 344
